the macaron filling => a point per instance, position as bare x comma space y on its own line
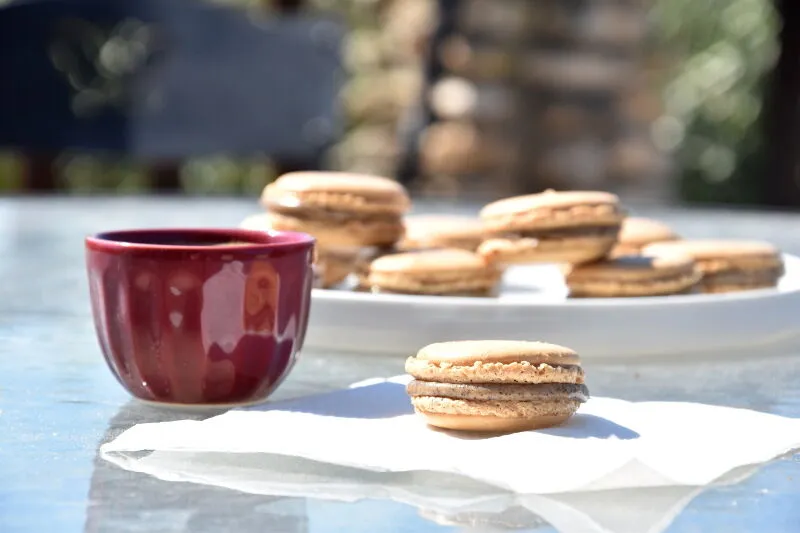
563, 233
499, 391
321, 214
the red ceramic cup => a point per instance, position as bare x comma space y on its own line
200, 316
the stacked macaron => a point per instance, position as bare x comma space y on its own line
496, 385
345, 212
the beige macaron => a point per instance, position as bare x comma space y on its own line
335, 264
728, 265
553, 227
496, 385
446, 271
633, 275
638, 232
442, 231
338, 209
331, 265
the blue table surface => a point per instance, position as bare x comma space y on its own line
58, 401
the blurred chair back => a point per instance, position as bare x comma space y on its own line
167, 79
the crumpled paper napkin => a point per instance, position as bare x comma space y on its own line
366, 442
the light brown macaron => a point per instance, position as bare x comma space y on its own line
638, 232
728, 265
338, 208
633, 275
331, 265
335, 264
496, 385
446, 271
551, 227
442, 231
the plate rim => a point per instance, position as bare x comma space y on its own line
791, 262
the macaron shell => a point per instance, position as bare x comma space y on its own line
430, 261
634, 268
636, 232
334, 265
479, 372
435, 272
572, 250
355, 193
465, 415
446, 231
728, 252
675, 284
349, 233
491, 424
376, 188
498, 351
547, 200
720, 288
741, 280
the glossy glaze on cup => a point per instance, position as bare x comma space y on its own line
200, 323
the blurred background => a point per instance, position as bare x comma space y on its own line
667, 100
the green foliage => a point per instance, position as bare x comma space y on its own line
722, 51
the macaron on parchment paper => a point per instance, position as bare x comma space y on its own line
552, 227
339, 209
495, 386
633, 275
728, 265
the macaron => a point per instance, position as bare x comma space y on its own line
335, 264
552, 227
728, 265
637, 232
331, 265
496, 385
365, 258
442, 231
633, 275
446, 271
338, 208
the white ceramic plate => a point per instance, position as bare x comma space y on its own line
532, 305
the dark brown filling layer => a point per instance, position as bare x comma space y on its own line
318, 214
499, 391
562, 233
733, 277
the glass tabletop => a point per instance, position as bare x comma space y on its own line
58, 401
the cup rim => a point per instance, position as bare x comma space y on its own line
114, 241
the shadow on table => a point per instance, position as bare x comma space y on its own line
388, 400
261, 492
